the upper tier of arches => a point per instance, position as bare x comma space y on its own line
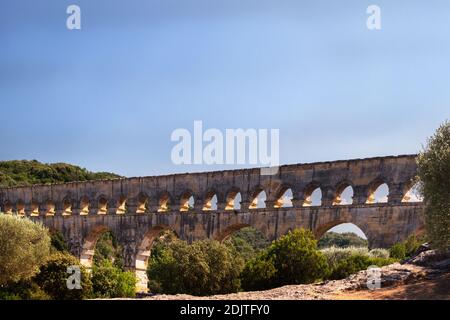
341, 183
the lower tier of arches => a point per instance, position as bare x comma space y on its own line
383, 226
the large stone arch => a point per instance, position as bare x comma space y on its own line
143, 254
89, 243
321, 229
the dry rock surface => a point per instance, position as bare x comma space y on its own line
426, 276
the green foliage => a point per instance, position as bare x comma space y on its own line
58, 242
258, 273
335, 255
342, 240
109, 281
295, 259
434, 174
343, 262
23, 172
23, 290
24, 247
202, 268
107, 248
355, 263
404, 250
52, 278
248, 242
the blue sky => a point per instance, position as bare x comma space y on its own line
108, 96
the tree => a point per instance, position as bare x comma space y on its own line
292, 259
109, 281
53, 276
107, 248
203, 268
23, 172
24, 247
434, 174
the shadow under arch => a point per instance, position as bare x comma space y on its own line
89, 242
143, 255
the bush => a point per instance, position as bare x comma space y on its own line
355, 263
398, 251
52, 278
109, 281
23, 290
379, 253
404, 250
342, 240
434, 174
258, 274
203, 268
24, 247
295, 259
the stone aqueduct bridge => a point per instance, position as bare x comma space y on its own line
136, 210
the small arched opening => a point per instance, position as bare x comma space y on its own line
121, 205
187, 202
413, 194
67, 207
210, 202
344, 195
285, 199
84, 206
259, 200
102, 206
20, 208
233, 199
49, 208
313, 196
164, 202
142, 203
378, 193
34, 209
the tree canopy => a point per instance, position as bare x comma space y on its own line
24, 172
24, 247
434, 174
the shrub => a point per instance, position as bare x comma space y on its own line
109, 281
398, 251
24, 247
52, 278
258, 274
295, 260
203, 268
355, 263
334, 255
434, 174
23, 290
379, 253
405, 249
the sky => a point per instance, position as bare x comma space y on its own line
107, 97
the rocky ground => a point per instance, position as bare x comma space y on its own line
426, 276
